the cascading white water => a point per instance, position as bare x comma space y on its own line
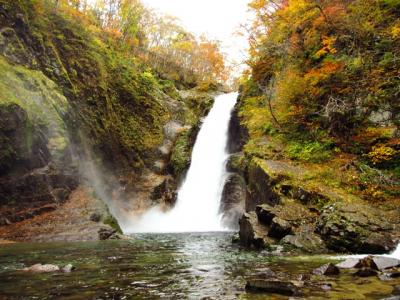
197, 207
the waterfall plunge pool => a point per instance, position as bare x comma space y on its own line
169, 266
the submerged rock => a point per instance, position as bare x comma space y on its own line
327, 269
272, 286
39, 268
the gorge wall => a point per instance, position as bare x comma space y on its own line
284, 205
81, 126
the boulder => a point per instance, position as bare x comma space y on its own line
327, 269
251, 233
279, 228
305, 241
106, 233
383, 262
356, 228
350, 263
265, 213
272, 286
261, 185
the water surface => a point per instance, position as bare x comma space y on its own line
154, 266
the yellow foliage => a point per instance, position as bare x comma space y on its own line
395, 30
328, 43
381, 154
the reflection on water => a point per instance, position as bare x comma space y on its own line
178, 266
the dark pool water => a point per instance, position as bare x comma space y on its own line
159, 266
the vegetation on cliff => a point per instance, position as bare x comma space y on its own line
111, 65
323, 89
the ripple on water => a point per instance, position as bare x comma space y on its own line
178, 266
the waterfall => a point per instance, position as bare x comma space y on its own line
197, 207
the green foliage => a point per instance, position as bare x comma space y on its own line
113, 223
309, 151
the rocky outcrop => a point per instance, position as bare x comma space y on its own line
357, 228
233, 200
261, 186
237, 133
303, 219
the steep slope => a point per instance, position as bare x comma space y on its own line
76, 109
316, 126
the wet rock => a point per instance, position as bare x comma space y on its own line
265, 214
165, 192
367, 262
237, 133
272, 286
236, 163
67, 268
356, 228
350, 263
305, 241
252, 233
383, 262
279, 228
366, 272
106, 233
264, 273
39, 268
327, 270
235, 239
95, 217
233, 201
326, 287
392, 298
387, 276
261, 185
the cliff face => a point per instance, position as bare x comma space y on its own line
297, 206
75, 110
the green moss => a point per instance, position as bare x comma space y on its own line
309, 151
112, 221
180, 156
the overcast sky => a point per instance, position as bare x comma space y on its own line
218, 19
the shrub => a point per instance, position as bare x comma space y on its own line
309, 151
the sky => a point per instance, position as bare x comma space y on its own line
218, 19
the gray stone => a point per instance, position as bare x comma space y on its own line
68, 268
383, 262
350, 263
272, 286
279, 228
39, 268
327, 269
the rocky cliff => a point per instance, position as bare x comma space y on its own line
292, 206
80, 121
